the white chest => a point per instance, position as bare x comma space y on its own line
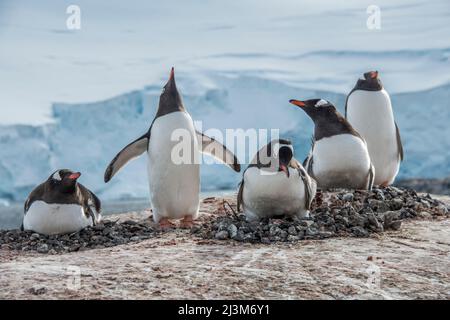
55, 218
271, 194
173, 166
338, 153
370, 113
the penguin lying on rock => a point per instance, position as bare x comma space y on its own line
339, 157
174, 185
276, 184
61, 205
369, 110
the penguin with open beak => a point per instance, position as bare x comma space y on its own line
275, 184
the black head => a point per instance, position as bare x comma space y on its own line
63, 180
276, 155
317, 109
370, 82
170, 99
327, 120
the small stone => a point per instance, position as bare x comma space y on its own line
396, 204
347, 197
325, 234
232, 231
424, 215
74, 248
443, 209
292, 231
292, 238
43, 248
395, 225
360, 232
221, 235
37, 291
274, 230
378, 206
306, 223
135, 238
35, 236
99, 227
239, 236
390, 217
377, 226
310, 232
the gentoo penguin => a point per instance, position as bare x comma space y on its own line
368, 108
276, 184
339, 157
61, 205
174, 184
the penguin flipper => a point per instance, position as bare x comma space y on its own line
371, 177
240, 198
399, 142
308, 182
34, 195
130, 152
90, 198
217, 150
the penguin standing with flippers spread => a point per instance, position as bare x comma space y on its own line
339, 157
174, 184
276, 184
368, 108
61, 205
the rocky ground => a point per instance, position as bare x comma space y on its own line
388, 243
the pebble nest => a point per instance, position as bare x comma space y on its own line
335, 213
339, 213
103, 235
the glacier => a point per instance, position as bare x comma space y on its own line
86, 136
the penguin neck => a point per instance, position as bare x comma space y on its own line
325, 128
372, 85
166, 109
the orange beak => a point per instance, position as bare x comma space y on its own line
172, 74
374, 74
284, 169
298, 103
75, 176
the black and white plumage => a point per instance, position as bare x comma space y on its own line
174, 183
339, 157
61, 205
276, 184
369, 110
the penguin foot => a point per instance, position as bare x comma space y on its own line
165, 224
385, 184
187, 222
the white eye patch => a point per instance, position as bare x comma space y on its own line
57, 176
321, 102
